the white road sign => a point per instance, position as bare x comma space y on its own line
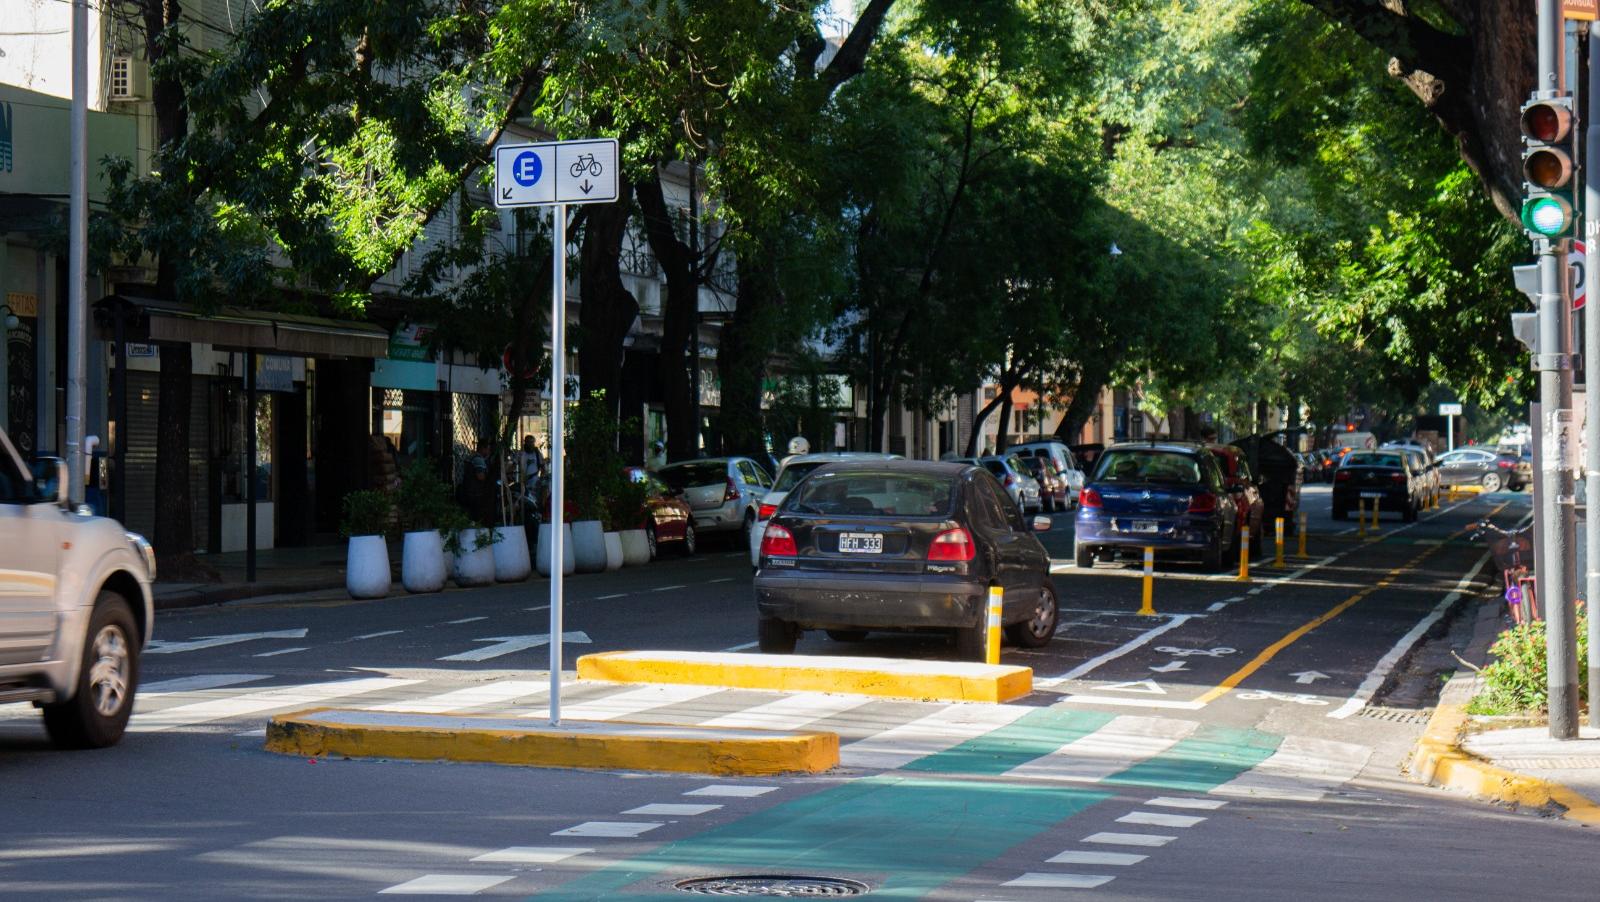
1447, 409
560, 172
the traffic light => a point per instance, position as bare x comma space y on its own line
1547, 211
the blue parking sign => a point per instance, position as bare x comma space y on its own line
527, 168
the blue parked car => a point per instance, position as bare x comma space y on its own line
1167, 495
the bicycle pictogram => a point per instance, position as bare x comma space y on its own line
586, 161
1187, 652
1299, 698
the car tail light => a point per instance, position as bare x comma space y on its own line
1397, 477
1089, 499
1203, 503
952, 545
765, 511
1504, 464
1342, 476
731, 493
1010, 480
778, 542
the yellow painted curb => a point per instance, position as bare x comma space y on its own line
937, 681
608, 745
1439, 760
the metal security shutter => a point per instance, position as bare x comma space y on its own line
199, 460
140, 462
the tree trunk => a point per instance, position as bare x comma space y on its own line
679, 314
977, 426
1082, 405
741, 364
1002, 437
608, 309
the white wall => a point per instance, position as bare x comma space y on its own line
38, 49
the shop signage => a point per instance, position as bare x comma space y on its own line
22, 303
410, 342
274, 373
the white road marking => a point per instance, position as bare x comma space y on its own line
1124, 742
1301, 770
1133, 702
257, 702
791, 712
1217, 607
196, 683
532, 855
609, 829
468, 698
742, 647
725, 579
668, 588
1155, 819
282, 651
505, 645
634, 701
1060, 881
376, 635
1130, 839
538, 607
1121, 859
1146, 687
944, 729
446, 885
720, 790
606, 597
465, 620
1133, 644
660, 809
1198, 804
1380, 672
163, 647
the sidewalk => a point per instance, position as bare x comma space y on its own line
279, 571
1522, 767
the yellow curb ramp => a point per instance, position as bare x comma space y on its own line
1439, 760
603, 745
951, 681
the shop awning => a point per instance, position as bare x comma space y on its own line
240, 329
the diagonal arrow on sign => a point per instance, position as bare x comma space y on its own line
505, 645
159, 647
1305, 677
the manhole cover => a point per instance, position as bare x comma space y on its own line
780, 886
1396, 715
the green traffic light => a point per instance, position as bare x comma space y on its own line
1547, 216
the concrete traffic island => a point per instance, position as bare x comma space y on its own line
608, 745
951, 681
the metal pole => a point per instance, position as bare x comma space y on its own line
1450, 431
558, 461
78, 251
1591, 369
1557, 584
250, 466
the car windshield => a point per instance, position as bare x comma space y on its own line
793, 473
681, 476
996, 467
875, 494
1142, 465
1369, 459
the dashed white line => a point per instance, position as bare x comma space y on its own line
668, 588
281, 651
1120, 859
660, 809
1198, 804
1060, 881
742, 647
1154, 819
376, 635
604, 597
609, 829
465, 620
446, 885
532, 855
720, 790
1130, 839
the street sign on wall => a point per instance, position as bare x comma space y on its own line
1584, 10
560, 172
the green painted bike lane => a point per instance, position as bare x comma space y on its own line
907, 835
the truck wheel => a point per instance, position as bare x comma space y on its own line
97, 713
776, 637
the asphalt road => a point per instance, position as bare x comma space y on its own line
1244, 743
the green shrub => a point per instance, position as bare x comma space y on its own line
1517, 681
369, 512
423, 500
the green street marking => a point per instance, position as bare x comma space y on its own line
1202, 762
1036, 733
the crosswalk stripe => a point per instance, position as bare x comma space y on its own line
790, 712
634, 701
1155, 819
1060, 881
472, 697
257, 702
197, 683
1302, 770
446, 885
1115, 747
944, 729
1129, 839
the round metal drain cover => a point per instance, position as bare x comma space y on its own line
779, 886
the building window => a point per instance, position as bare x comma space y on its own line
121, 78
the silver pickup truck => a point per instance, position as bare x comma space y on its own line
75, 605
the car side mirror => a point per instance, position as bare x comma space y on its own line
51, 475
1041, 524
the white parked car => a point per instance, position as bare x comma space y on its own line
1064, 460
75, 606
723, 492
794, 468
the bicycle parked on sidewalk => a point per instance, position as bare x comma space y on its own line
1517, 576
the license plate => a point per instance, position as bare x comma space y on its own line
861, 542
1144, 526
1372, 494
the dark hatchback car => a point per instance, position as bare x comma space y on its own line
1170, 496
1384, 477
902, 545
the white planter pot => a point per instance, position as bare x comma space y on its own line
589, 546
366, 567
422, 561
511, 563
613, 551
635, 547
475, 562
568, 561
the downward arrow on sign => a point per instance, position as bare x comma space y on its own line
1305, 677
505, 645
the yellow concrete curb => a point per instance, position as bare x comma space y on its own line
609, 745
891, 678
1439, 760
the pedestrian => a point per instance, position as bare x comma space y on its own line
476, 494
532, 462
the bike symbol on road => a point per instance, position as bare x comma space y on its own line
1299, 698
527, 168
1187, 652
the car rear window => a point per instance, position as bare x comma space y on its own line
1141, 465
874, 495
995, 467
681, 476
793, 473
1368, 459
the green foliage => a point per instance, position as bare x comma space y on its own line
594, 466
1517, 681
423, 501
626, 504
369, 512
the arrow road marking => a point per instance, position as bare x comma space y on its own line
158, 647
505, 645
1171, 667
1306, 677
1148, 687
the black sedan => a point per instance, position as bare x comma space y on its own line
902, 545
1384, 478
1477, 466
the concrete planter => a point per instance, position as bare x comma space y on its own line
422, 561
511, 561
589, 546
366, 567
568, 562
635, 547
475, 562
613, 551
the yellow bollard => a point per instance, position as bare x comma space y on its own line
1361, 517
1277, 561
1375, 505
1244, 554
1301, 532
996, 595
1147, 606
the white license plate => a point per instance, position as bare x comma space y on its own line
861, 542
1144, 526
1372, 494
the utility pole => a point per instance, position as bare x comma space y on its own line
78, 253
1591, 369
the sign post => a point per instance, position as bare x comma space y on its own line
556, 174
1450, 412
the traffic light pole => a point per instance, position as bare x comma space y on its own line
1557, 583
1591, 368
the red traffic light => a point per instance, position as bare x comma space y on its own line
1543, 120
